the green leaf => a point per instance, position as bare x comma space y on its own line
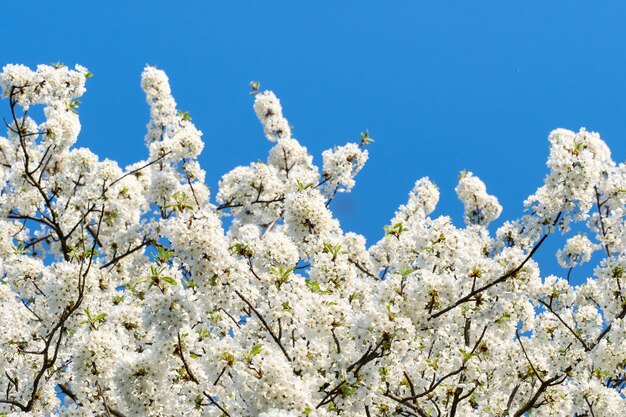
19, 249
395, 230
190, 283
383, 371
404, 272
202, 334
163, 254
334, 250
599, 373
73, 105
184, 115
433, 363
302, 186
169, 280
467, 355
99, 317
256, 349
282, 274
139, 281
348, 390
314, 286
180, 200
366, 139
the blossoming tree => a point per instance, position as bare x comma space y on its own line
122, 293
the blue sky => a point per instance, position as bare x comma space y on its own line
442, 86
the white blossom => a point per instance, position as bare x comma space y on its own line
480, 207
127, 292
577, 251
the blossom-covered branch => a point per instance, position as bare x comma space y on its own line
131, 292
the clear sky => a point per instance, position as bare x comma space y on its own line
441, 85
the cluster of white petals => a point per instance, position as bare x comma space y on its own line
342, 164
127, 292
270, 114
577, 162
577, 251
480, 207
47, 85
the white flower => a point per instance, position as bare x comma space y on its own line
128, 291
270, 114
577, 251
341, 165
480, 207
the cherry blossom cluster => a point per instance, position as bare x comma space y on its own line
128, 292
